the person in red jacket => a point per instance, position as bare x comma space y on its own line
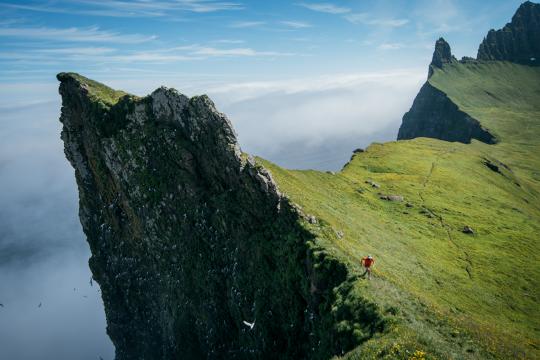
367, 262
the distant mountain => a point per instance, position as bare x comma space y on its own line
518, 41
435, 115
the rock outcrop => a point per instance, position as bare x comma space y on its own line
191, 239
434, 115
518, 41
441, 55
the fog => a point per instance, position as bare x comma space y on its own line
43, 254
299, 123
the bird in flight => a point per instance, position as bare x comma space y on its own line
249, 325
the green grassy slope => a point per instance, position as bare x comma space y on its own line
505, 97
97, 91
452, 291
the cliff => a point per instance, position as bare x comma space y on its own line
191, 240
518, 41
433, 114
436, 115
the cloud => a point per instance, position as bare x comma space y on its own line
200, 6
74, 34
205, 51
367, 19
296, 24
120, 8
317, 122
105, 55
229, 41
78, 51
391, 46
325, 8
246, 24
356, 18
43, 253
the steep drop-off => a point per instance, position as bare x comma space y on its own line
190, 238
434, 115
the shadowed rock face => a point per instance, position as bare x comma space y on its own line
518, 41
190, 238
434, 115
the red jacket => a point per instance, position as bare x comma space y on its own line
367, 261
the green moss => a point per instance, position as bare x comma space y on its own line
97, 92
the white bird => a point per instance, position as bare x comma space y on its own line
249, 325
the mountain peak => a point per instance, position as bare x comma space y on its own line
441, 55
518, 41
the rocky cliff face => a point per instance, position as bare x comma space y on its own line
191, 240
518, 41
434, 115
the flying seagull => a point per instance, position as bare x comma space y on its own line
249, 325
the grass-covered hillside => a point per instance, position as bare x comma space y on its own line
454, 294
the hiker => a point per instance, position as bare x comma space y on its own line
367, 262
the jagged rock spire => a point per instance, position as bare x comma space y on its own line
518, 41
441, 55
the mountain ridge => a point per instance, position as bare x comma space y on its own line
518, 41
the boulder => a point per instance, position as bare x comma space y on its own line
467, 230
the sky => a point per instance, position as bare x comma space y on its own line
304, 83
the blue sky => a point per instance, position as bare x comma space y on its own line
235, 38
